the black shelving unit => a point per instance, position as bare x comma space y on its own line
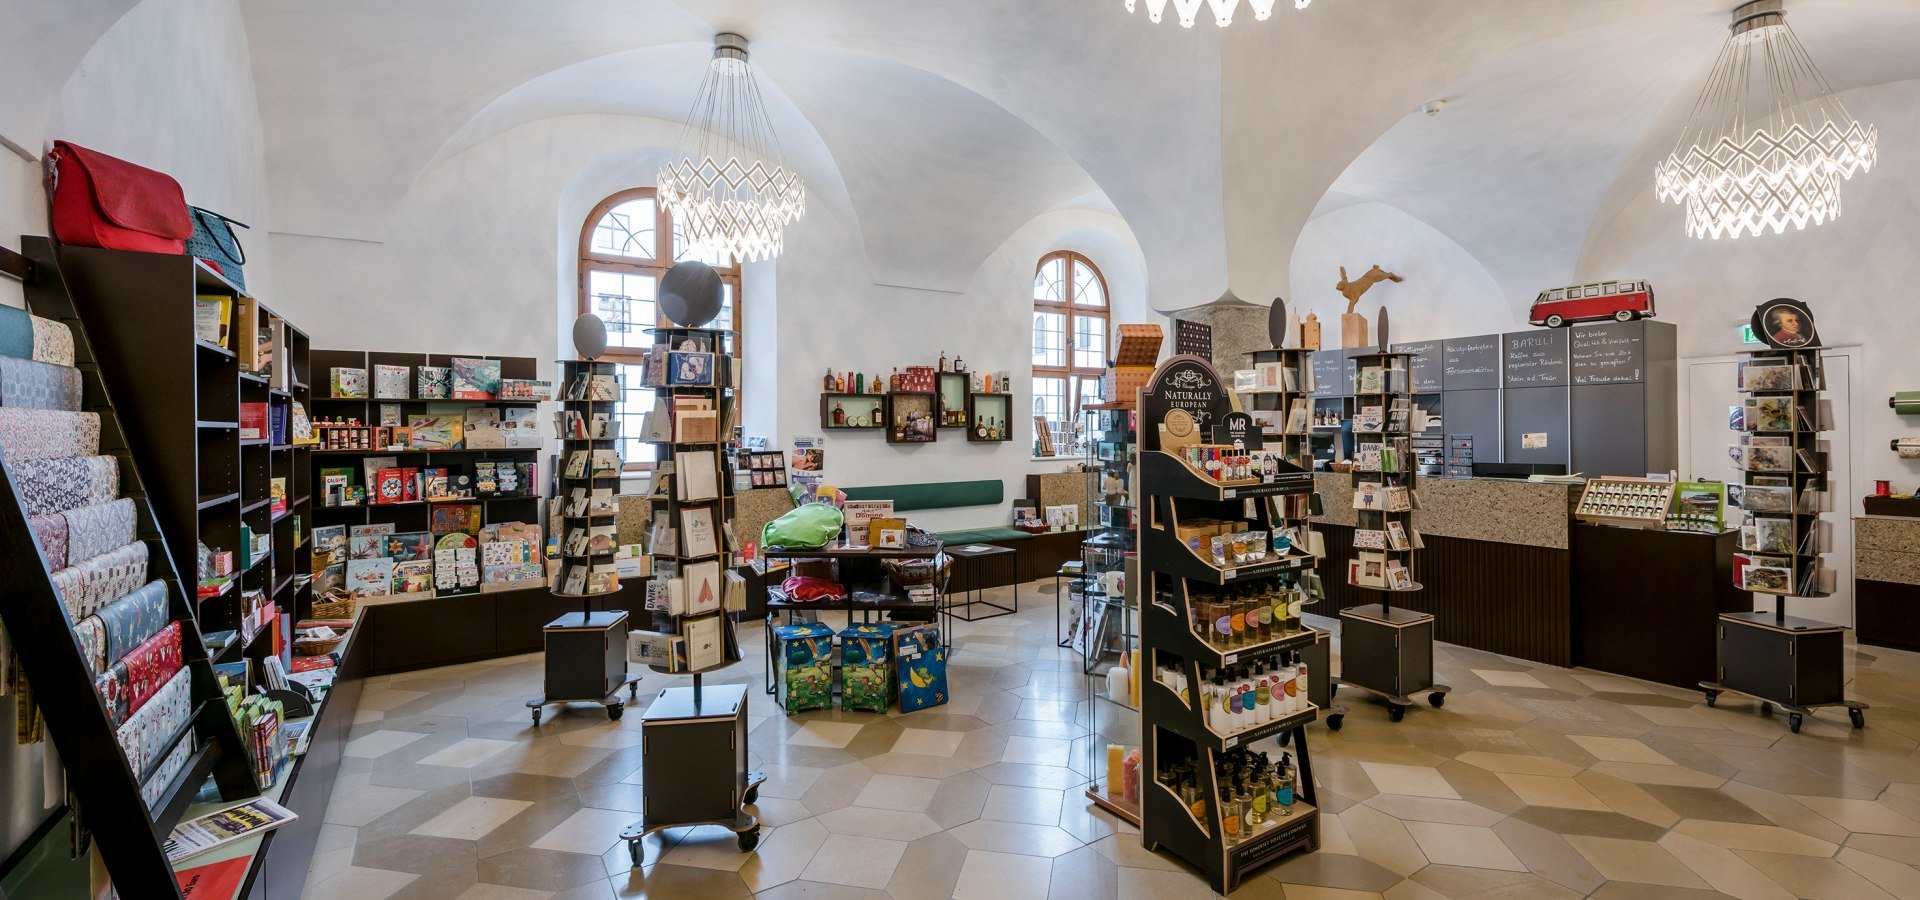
1204, 828
1787, 661
868, 409
989, 417
109, 791
900, 403
1388, 651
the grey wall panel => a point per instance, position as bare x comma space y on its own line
1536, 358
1471, 363
1476, 413
1610, 430
1663, 396
1536, 410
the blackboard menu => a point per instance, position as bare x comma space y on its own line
1329, 373
1609, 353
1535, 358
1471, 363
1425, 365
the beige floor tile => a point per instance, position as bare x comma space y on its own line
788, 782
382, 699
1160, 884
834, 735
1814, 879
376, 744
987, 875
710, 847
1547, 790
1037, 751
1499, 678
1861, 815
1722, 870
782, 855
1671, 775
1892, 877
1015, 837
1549, 856
1126, 851
501, 892
472, 818
1736, 836
891, 824
1616, 749
1628, 799
1519, 764
590, 831
1429, 809
466, 753
929, 869
1637, 861
1383, 840
1034, 806
1463, 845
607, 737
1415, 781
562, 762
355, 883
928, 742
1314, 892
362, 803
901, 792
854, 861
1334, 837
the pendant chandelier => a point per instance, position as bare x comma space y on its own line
1222, 9
1759, 155
730, 191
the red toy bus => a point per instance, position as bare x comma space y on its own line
1622, 301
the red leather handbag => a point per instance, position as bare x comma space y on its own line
101, 201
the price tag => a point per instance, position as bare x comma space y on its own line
1233, 658
1232, 742
1229, 493
1227, 574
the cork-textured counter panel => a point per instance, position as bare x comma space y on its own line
630, 523
1894, 535
1478, 509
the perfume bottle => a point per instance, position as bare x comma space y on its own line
943, 360
839, 415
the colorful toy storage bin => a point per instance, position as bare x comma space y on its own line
922, 667
866, 667
804, 673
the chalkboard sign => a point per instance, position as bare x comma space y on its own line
1471, 363
1425, 365
1609, 353
1535, 358
1329, 373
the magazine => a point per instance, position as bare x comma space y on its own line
245, 820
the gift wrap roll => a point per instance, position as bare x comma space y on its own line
50, 532
28, 434
38, 385
1906, 403
92, 635
52, 342
1907, 448
164, 775
16, 332
146, 732
100, 528
49, 486
93, 583
128, 622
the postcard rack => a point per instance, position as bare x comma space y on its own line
1386, 651
1780, 660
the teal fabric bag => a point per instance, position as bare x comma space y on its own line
806, 527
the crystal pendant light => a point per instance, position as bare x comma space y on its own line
1768, 142
730, 190
1222, 9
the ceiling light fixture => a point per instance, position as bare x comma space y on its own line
1222, 9
1763, 154
730, 190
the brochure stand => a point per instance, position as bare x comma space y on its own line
1385, 651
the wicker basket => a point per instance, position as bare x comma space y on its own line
313, 647
335, 605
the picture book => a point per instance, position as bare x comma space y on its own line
436, 432
482, 427
413, 576
522, 427
350, 384
603, 502
696, 526
389, 486
696, 478
390, 383
1368, 495
1397, 536
450, 518
525, 389
409, 545
576, 466
475, 379
1369, 539
685, 369
606, 463
330, 578
329, 544
703, 587
370, 577
434, 383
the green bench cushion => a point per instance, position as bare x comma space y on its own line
939, 495
981, 536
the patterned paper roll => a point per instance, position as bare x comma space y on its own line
50, 532
97, 529
1908, 448
16, 332
27, 434
38, 385
52, 342
95, 582
49, 486
128, 622
92, 635
149, 665
163, 777
1906, 403
111, 685
145, 733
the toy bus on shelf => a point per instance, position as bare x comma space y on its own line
1621, 301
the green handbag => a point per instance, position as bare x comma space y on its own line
806, 527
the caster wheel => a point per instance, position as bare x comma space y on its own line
615, 711
1284, 738
1859, 718
1333, 721
1396, 712
1766, 709
536, 717
1713, 697
749, 840
1437, 699
1793, 722
753, 794
635, 852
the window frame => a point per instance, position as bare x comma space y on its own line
587, 262
1072, 311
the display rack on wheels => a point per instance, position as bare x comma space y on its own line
1794, 663
1224, 579
586, 659
1386, 651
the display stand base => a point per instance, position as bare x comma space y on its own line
1388, 652
1128, 812
694, 757
1785, 661
586, 662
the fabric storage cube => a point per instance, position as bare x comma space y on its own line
866, 667
804, 673
922, 667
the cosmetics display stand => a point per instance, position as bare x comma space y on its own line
1205, 795
1385, 651
1106, 559
1794, 663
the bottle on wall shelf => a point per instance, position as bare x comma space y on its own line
859, 383
829, 382
943, 360
839, 415
959, 365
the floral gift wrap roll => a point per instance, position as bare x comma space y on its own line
28, 434
38, 385
52, 486
100, 528
145, 734
95, 582
52, 342
50, 532
126, 686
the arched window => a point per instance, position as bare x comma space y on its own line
1070, 317
626, 246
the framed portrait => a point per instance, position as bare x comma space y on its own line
1786, 324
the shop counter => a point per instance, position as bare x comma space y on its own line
1886, 581
1646, 602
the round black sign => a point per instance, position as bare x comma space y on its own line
1785, 324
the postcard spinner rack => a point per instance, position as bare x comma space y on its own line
1387, 651
1780, 660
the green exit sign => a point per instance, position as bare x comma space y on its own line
1748, 337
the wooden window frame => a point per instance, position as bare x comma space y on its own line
589, 261
1069, 306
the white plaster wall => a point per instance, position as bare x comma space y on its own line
1858, 273
1448, 293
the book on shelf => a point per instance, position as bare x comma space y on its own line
697, 528
657, 649
212, 318
704, 645
475, 379
696, 477
348, 383
216, 829
525, 389
391, 382
434, 382
482, 427
522, 428
253, 421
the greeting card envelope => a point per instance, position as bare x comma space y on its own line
38, 385
49, 486
97, 529
145, 733
50, 532
131, 620
28, 434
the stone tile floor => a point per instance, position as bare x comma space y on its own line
1533, 781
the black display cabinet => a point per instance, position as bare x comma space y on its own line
706, 725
